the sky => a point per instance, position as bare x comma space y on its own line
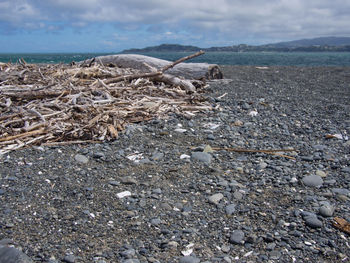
114, 25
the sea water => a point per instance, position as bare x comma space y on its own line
221, 58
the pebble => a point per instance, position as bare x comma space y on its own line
189, 259
321, 173
131, 260
128, 180
2, 191
69, 259
312, 221
326, 210
202, 156
312, 180
237, 237
81, 158
215, 198
230, 209
157, 156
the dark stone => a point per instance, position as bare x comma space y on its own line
13, 255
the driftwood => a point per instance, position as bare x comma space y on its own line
146, 64
68, 104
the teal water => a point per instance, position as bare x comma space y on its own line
221, 58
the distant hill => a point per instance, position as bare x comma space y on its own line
320, 41
164, 48
330, 44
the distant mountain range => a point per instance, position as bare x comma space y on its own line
337, 44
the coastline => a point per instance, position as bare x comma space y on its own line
65, 203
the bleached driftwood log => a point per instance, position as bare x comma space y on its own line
149, 64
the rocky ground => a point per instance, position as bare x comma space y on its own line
160, 193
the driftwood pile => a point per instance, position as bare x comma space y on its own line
64, 104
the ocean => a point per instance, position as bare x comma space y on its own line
221, 58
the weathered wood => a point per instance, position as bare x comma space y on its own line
144, 63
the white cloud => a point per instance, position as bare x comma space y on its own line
279, 19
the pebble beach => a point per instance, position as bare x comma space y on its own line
177, 189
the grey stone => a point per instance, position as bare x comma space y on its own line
129, 253
114, 183
2, 192
312, 180
262, 165
326, 210
13, 255
230, 209
156, 156
156, 221
81, 158
189, 259
312, 221
237, 195
202, 156
131, 260
237, 237
128, 180
215, 199
69, 259
340, 191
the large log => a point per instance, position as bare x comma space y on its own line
149, 64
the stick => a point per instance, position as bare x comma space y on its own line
267, 151
181, 60
22, 135
68, 142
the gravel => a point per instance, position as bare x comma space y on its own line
170, 190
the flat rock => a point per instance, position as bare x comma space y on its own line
189, 259
81, 158
237, 237
230, 209
202, 156
312, 181
312, 221
215, 198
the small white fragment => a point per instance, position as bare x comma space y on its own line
92, 215
124, 194
185, 156
136, 157
211, 125
248, 254
179, 125
180, 130
308, 243
253, 113
187, 252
